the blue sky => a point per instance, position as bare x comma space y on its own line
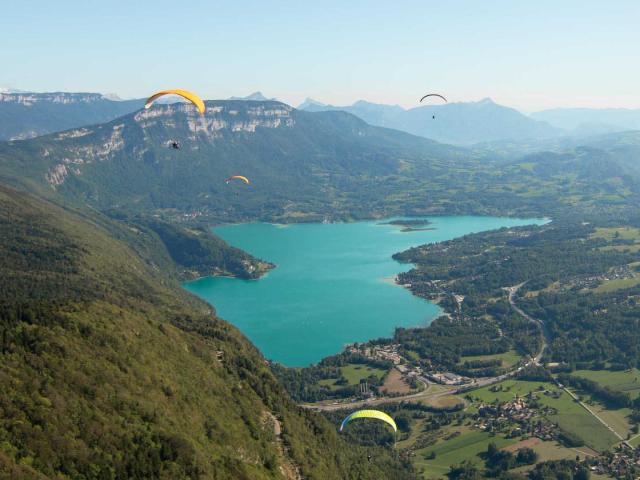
529, 55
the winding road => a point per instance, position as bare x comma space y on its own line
543, 330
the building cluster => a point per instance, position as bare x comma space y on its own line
620, 272
520, 416
378, 352
191, 215
623, 462
447, 378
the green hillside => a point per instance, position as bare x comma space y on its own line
109, 371
308, 167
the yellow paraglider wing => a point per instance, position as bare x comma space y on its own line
375, 414
238, 177
192, 97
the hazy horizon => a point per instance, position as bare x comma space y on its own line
527, 56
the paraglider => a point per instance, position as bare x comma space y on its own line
375, 414
433, 95
238, 177
192, 97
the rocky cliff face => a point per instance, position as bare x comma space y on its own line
26, 114
301, 165
64, 98
104, 142
231, 116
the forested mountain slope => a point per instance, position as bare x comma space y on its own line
108, 370
308, 167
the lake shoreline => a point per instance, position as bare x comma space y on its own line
324, 277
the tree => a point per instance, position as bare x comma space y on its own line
526, 456
464, 471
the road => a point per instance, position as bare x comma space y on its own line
545, 343
424, 394
583, 405
543, 330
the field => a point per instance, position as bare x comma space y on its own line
629, 234
622, 380
618, 284
623, 233
394, 383
354, 372
508, 359
552, 451
447, 401
571, 417
466, 446
528, 443
510, 388
469, 443
618, 419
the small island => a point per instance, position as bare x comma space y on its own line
411, 225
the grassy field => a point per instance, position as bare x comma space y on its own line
571, 416
620, 233
617, 284
623, 233
511, 388
508, 358
466, 446
354, 372
618, 419
622, 380
635, 440
551, 451
443, 402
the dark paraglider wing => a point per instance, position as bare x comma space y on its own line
433, 95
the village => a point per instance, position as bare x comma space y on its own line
518, 417
406, 367
623, 462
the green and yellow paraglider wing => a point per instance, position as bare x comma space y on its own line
238, 177
192, 97
375, 414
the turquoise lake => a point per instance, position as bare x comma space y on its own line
333, 283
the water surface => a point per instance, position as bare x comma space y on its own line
332, 285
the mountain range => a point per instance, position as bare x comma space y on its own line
26, 114
453, 123
302, 165
591, 120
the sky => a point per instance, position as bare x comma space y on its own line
528, 55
